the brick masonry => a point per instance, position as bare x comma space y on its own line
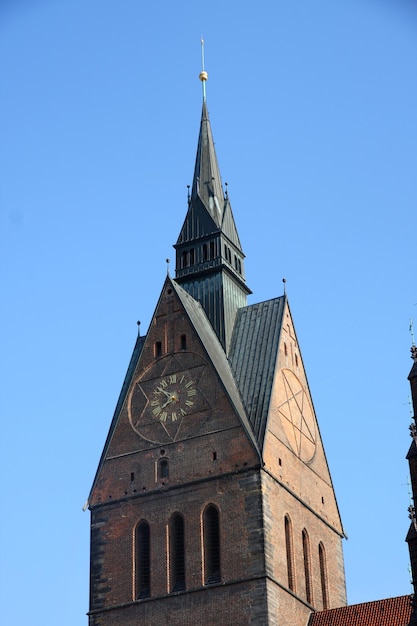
215, 463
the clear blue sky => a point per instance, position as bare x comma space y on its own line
313, 108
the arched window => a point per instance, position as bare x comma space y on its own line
183, 342
176, 553
323, 576
142, 561
290, 553
307, 566
212, 249
211, 544
192, 256
205, 252
163, 469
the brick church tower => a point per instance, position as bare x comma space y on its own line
213, 502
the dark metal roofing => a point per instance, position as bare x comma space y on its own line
229, 226
412, 452
209, 211
209, 256
207, 183
253, 355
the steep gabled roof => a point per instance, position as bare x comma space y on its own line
389, 612
253, 355
217, 356
137, 350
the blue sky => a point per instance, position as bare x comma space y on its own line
313, 108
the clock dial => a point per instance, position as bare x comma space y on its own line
297, 415
172, 398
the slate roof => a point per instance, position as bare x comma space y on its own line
389, 612
253, 354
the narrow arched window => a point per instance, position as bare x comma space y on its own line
290, 553
192, 256
183, 342
176, 553
142, 561
323, 576
212, 249
211, 544
163, 469
205, 252
307, 566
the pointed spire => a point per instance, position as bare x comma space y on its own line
207, 184
209, 255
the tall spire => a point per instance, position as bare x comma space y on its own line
207, 185
209, 258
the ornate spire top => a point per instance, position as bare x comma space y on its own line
414, 353
203, 76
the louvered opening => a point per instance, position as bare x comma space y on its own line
177, 553
307, 567
143, 561
211, 545
290, 558
323, 577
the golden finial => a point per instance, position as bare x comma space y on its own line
203, 76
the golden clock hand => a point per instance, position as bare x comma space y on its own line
170, 399
168, 395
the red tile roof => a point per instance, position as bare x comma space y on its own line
388, 612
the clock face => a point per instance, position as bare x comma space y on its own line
297, 415
172, 398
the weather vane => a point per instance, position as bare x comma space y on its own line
203, 74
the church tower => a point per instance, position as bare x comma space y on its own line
213, 502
